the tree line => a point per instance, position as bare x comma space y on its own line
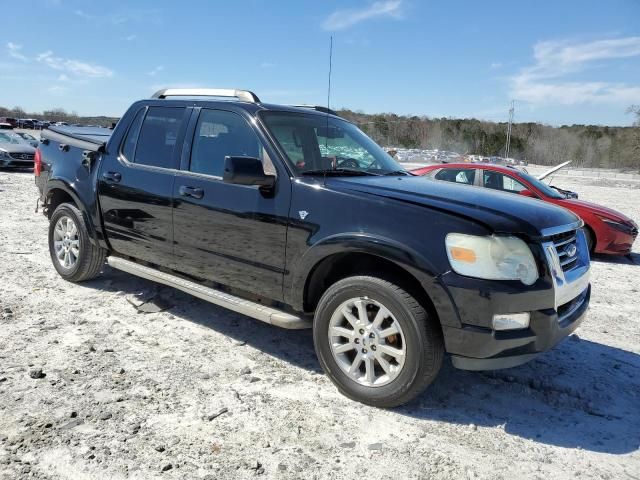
585, 145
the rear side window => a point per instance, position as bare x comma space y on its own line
157, 143
129, 145
466, 176
220, 134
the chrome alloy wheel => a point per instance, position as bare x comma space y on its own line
66, 242
367, 341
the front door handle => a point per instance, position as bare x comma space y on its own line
112, 176
193, 192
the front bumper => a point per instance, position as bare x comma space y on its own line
10, 162
486, 349
557, 303
616, 243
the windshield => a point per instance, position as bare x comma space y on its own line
316, 144
543, 187
10, 137
26, 136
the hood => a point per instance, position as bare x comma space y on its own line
499, 211
572, 204
553, 170
17, 148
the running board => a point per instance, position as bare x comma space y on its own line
246, 307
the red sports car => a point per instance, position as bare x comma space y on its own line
608, 231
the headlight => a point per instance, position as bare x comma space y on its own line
491, 258
4, 154
623, 227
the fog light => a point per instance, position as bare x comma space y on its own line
511, 321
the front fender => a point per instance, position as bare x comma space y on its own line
409, 260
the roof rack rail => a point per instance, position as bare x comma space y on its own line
244, 95
318, 108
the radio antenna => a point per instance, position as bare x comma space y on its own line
326, 138
330, 58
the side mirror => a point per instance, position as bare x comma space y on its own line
246, 171
528, 193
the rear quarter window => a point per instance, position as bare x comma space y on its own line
128, 148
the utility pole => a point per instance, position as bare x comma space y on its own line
511, 110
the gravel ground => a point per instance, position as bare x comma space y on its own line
90, 388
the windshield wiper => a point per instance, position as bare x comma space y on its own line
339, 171
399, 172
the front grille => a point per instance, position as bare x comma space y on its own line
22, 156
567, 249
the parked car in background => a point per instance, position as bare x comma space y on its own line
15, 151
6, 126
608, 231
30, 139
10, 120
27, 123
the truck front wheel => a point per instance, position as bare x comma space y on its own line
73, 255
376, 342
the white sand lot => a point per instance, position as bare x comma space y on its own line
128, 395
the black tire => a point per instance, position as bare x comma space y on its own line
591, 240
90, 259
423, 342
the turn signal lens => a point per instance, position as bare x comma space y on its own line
463, 254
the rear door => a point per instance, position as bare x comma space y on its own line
135, 185
230, 234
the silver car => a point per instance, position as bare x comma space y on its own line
15, 151
30, 139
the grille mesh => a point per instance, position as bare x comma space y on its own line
22, 156
567, 248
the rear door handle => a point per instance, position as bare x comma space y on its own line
112, 176
191, 192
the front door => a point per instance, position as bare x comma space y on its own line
499, 181
135, 185
230, 234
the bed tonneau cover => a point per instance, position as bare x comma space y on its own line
86, 138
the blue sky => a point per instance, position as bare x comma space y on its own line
562, 62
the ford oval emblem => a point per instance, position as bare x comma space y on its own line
571, 250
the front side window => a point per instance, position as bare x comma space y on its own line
156, 145
500, 181
221, 134
317, 144
457, 175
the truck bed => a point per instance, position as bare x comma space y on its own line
85, 138
72, 149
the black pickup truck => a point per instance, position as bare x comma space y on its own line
293, 216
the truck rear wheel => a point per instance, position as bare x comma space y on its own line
73, 255
376, 342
